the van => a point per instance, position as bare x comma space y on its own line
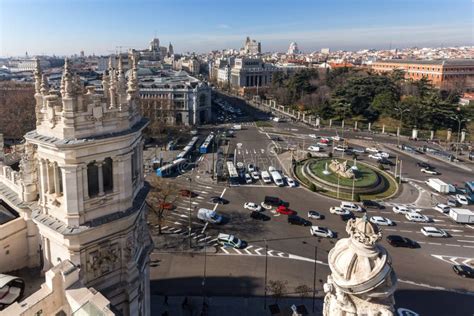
209, 216
416, 217
266, 177
351, 207
276, 176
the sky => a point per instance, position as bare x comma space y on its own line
64, 27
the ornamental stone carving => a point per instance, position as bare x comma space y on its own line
341, 169
103, 260
362, 280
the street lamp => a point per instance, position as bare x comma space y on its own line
458, 118
401, 111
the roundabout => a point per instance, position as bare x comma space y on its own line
345, 179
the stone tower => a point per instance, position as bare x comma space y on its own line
91, 207
362, 280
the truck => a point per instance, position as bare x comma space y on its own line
438, 185
209, 216
462, 215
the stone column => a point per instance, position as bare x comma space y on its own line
355, 125
56, 179
50, 176
43, 181
342, 124
85, 184
115, 174
398, 131
304, 114
330, 122
318, 121
101, 177
431, 135
383, 129
463, 136
448, 135
414, 133
370, 127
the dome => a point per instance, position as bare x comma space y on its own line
357, 263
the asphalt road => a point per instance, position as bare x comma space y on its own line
291, 249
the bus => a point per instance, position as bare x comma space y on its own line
171, 168
233, 175
204, 149
187, 150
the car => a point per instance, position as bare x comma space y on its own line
442, 208
346, 217
250, 168
218, 200
296, 220
315, 215
351, 207
385, 161
371, 150
270, 202
375, 156
381, 221
248, 178
431, 231
384, 154
252, 206
285, 210
399, 241
315, 148
424, 165
266, 177
321, 144
463, 270
276, 138
319, 231
416, 217
429, 171
187, 193
399, 209
259, 216
291, 183
209, 216
228, 240
255, 175
462, 199
337, 138
358, 150
271, 168
372, 204
451, 202
338, 211
340, 148
312, 136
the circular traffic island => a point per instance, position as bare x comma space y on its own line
345, 179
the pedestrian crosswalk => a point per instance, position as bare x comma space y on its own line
455, 260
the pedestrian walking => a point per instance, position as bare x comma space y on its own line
166, 300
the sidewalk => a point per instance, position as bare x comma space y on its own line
232, 306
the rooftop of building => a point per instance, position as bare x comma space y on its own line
445, 62
166, 79
6, 213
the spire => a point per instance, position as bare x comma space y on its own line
133, 77
66, 80
37, 75
44, 85
122, 85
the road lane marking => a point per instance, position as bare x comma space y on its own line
461, 240
258, 251
453, 245
435, 243
237, 250
223, 249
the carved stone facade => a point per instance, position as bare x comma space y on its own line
362, 280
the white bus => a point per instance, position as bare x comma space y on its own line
233, 175
276, 176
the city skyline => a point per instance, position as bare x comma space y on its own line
100, 27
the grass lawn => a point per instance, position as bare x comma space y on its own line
263, 124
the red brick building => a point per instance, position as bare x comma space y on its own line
446, 74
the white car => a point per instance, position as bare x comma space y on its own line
416, 217
271, 168
255, 175
431, 231
429, 171
375, 156
381, 221
314, 148
315, 215
384, 154
336, 138
312, 135
266, 177
462, 199
252, 206
372, 150
248, 178
322, 232
442, 208
351, 207
338, 211
358, 150
321, 144
291, 182
340, 148
251, 168
401, 209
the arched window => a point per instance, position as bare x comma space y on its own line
107, 172
93, 179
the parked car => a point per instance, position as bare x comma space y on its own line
228, 240
296, 220
271, 168
291, 183
321, 144
443, 208
285, 210
248, 178
259, 216
416, 217
315, 215
431, 231
250, 168
255, 175
372, 204
371, 150
340, 148
429, 171
462, 199
453, 203
252, 206
381, 221
399, 241
351, 207
338, 211
463, 270
218, 200
319, 231
314, 148
398, 209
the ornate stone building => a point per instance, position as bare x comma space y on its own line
82, 177
362, 280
